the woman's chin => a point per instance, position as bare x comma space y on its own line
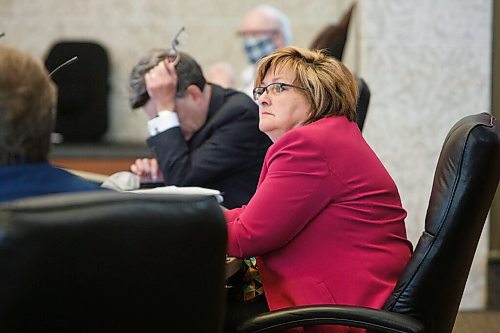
263, 127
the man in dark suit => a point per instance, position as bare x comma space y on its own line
27, 118
201, 134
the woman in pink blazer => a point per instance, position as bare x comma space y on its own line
326, 222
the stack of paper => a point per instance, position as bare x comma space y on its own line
189, 190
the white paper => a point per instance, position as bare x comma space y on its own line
182, 190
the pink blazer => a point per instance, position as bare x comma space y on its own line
326, 222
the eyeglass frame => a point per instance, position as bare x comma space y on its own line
279, 89
253, 33
174, 55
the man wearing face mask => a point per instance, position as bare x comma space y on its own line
264, 29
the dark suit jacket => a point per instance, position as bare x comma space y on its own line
226, 154
32, 179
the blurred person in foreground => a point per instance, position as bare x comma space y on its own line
263, 29
201, 134
326, 224
27, 118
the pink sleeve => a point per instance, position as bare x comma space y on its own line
295, 189
232, 214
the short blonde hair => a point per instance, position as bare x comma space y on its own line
27, 108
328, 84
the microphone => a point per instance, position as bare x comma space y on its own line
69, 62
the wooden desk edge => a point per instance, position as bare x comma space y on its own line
92, 176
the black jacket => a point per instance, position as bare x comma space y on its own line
226, 154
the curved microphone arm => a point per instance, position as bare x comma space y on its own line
66, 63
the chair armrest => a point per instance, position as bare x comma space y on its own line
372, 319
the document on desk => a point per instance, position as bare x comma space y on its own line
188, 190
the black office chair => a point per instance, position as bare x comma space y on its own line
112, 262
332, 38
83, 89
363, 102
427, 296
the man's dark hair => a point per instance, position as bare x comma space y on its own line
188, 73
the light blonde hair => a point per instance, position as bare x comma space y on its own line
328, 84
27, 108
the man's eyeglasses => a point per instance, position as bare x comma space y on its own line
273, 89
253, 33
180, 39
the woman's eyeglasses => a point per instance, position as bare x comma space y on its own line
180, 39
273, 89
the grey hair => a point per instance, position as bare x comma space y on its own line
281, 18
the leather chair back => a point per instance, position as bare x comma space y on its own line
465, 181
332, 38
83, 89
363, 102
112, 262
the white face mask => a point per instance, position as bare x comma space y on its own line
258, 47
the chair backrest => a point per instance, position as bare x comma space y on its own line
333, 37
83, 89
363, 102
465, 181
112, 262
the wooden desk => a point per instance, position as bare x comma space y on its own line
93, 177
107, 166
100, 158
